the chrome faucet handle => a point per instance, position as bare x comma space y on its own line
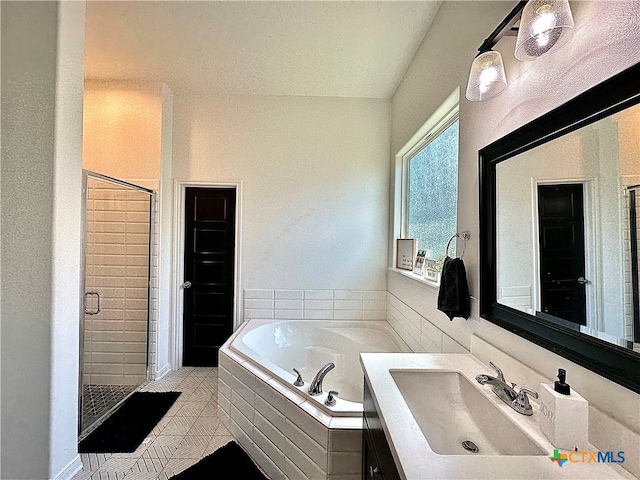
299, 382
521, 402
331, 398
498, 371
527, 390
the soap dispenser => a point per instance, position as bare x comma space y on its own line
564, 414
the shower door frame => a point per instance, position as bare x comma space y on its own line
86, 174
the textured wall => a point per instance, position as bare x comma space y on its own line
606, 41
315, 183
42, 82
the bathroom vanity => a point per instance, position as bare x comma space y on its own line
377, 459
426, 417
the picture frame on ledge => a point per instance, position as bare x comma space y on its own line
405, 253
431, 270
418, 267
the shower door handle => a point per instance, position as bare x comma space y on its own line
186, 285
98, 308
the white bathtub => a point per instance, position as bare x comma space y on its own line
273, 419
279, 347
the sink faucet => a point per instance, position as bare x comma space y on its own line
316, 384
519, 401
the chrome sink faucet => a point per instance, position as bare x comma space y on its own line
519, 400
316, 384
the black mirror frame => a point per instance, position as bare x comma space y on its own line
616, 363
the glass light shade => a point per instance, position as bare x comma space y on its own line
487, 78
544, 24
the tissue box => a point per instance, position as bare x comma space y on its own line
564, 418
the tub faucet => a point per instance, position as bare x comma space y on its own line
519, 401
316, 384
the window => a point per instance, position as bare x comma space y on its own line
429, 185
432, 189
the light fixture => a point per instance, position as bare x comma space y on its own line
544, 24
487, 78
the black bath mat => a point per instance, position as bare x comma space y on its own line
227, 462
128, 426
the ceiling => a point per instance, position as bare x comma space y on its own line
305, 47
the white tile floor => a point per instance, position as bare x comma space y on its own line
188, 432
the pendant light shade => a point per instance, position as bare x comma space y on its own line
487, 78
544, 24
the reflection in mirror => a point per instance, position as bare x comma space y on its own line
567, 230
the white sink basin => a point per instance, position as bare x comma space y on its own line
457, 419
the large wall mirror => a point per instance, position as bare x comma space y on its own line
560, 227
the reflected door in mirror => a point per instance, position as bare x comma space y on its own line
561, 228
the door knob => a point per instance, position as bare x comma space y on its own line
186, 285
582, 281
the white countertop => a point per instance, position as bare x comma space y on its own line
414, 458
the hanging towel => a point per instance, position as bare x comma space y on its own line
453, 297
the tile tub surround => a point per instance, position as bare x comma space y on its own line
263, 304
188, 432
418, 332
285, 434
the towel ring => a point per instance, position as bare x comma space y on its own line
466, 235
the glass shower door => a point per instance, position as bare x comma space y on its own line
114, 334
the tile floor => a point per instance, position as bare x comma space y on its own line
188, 432
99, 399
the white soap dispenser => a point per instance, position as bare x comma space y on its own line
565, 415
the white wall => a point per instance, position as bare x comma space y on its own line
165, 223
606, 41
315, 183
42, 82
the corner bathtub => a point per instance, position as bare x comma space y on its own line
288, 432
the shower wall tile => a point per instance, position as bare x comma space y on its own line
117, 249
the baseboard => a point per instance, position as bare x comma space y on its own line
162, 371
70, 470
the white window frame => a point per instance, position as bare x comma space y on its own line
442, 118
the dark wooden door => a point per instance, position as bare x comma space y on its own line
209, 269
562, 257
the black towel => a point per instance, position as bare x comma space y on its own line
453, 297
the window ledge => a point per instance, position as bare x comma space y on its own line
416, 278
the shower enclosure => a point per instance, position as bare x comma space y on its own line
114, 336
